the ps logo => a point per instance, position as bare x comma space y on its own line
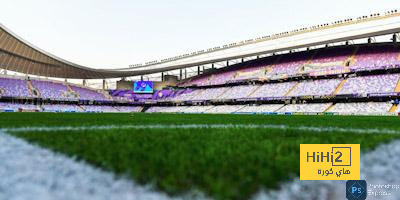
356, 190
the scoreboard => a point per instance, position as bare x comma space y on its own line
143, 87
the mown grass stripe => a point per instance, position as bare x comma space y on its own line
205, 126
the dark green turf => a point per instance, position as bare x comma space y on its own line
223, 163
82, 119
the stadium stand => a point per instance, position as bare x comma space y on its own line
369, 73
364, 57
329, 78
88, 94
362, 108
377, 56
61, 108
98, 108
212, 93
187, 95
273, 90
316, 87
312, 107
370, 84
197, 109
14, 88
172, 109
52, 90
128, 108
15, 107
225, 109
26, 88
156, 109
267, 108
238, 92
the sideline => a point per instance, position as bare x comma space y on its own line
29, 171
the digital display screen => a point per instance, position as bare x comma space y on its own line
143, 87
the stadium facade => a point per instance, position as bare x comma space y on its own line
340, 67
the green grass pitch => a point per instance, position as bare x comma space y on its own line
224, 163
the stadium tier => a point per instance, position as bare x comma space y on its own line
14, 88
315, 87
312, 107
330, 60
50, 90
61, 108
273, 90
238, 92
378, 56
225, 109
212, 93
363, 85
314, 81
15, 107
96, 108
365, 108
87, 94
362, 108
266, 108
370, 84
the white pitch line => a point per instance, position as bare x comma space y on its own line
206, 126
30, 172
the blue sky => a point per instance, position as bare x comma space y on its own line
116, 33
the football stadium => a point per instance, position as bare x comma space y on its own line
225, 122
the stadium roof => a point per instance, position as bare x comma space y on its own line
18, 55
